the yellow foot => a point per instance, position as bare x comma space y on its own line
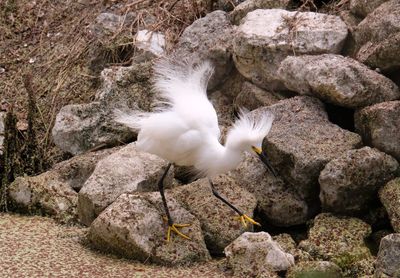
174, 228
244, 219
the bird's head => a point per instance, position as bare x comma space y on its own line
248, 133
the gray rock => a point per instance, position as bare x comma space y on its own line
336, 79
233, 85
108, 24
224, 108
350, 182
247, 6
290, 246
252, 97
339, 240
81, 127
134, 228
217, 220
379, 24
209, 38
125, 171
302, 141
382, 54
266, 37
315, 269
54, 192
363, 7
151, 43
379, 126
2, 119
255, 255
388, 259
278, 201
390, 198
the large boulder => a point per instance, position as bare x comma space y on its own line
302, 141
350, 182
336, 79
209, 38
81, 127
339, 240
133, 227
388, 259
266, 37
390, 198
363, 7
127, 170
379, 126
217, 220
278, 201
54, 192
257, 255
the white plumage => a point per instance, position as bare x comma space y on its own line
184, 130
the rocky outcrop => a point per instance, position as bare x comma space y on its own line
379, 126
252, 97
350, 182
125, 171
363, 7
54, 192
388, 259
336, 79
320, 269
257, 255
266, 37
390, 198
133, 227
81, 127
217, 220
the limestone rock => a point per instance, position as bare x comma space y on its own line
379, 126
266, 37
290, 246
107, 24
209, 38
278, 201
336, 79
150, 42
302, 141
339, 240
388, 260
81, 127
390, 198
134, 228
363, 7
247, 6
54, 192
255, 255
252, 97
320, 269
350, 182
125, 171
217, 220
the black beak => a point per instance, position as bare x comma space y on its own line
265, 160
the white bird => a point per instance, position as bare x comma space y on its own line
184, 130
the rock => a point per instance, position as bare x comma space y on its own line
210, 38
224, 108
382, 54
302, 141
379, 24
108, 24
390, 198
320, 269
81, 127
363, 7
336, 79
350, 182
2, 122
233, 85
266, 37
362, 268
252, 97
217, 220
388, 259
125, 171
339, 240
278, 201
245, 7
54, 192
256, 255
150, 42
134, 228
379, 126
289, 246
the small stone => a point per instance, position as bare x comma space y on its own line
2, 70
390, 198
152, 42
388, 259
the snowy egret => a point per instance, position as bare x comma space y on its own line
184, 130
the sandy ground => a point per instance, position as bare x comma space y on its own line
33, 246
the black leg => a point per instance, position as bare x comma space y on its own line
161, 189
216, 194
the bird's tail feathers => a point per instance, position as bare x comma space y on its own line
132, 119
